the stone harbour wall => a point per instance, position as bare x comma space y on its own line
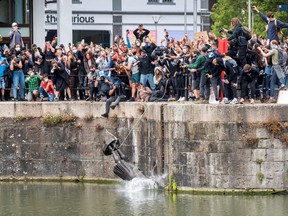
200, 146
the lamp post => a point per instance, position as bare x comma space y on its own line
194, 17
156, 20
185, 16
249, 14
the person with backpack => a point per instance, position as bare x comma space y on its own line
277, 73
274, 26
241, 36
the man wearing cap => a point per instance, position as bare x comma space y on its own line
15, 36
140, 32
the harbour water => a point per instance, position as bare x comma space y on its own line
61, 199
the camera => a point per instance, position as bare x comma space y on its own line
102, 78
221, 30
17, 60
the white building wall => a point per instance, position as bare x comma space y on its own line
133, 12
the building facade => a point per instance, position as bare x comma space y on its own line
99, 21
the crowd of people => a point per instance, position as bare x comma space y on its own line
253, 68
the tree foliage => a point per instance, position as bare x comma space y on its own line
224, 10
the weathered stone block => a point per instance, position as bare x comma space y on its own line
219, 163
259, 154
262, 133
275, 155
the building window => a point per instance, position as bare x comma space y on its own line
76, 2
153, 1
117, 5
160, 2
204, 4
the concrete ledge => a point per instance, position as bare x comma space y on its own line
60, 179
175, 111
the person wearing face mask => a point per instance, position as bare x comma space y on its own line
277, 73
46, 88
149, 46
273, 25
33, 85
15, 36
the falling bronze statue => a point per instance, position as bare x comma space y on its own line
122, 168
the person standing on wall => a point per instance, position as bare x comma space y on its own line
141, 32
15, 36
237, 35
273, 26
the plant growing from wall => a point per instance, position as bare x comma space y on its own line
114, 118
88, 118
284, 139
141, 109
172, 185
260, 176
54, 120
251, 141
273, 126
259, 161
21, 118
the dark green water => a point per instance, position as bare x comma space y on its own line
45, 199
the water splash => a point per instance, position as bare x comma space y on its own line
140, 184
144, 184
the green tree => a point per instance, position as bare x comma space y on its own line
224, 10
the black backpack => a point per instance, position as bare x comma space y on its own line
246, 32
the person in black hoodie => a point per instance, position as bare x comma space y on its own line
238, 36
248, 76
140, 32
228, 86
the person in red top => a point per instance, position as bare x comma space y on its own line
46, 88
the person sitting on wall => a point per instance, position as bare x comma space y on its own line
116, 95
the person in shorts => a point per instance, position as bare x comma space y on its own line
132, 71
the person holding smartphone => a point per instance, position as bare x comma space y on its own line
15, 36
18, 78
273, 26
48, 52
